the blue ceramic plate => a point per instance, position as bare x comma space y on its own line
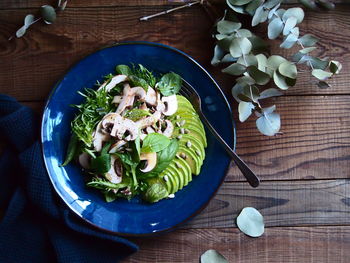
133, 217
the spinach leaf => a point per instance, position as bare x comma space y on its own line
154, 142
103, 184
123, 70
155, 192
136, 81
164, 158
169, 84
130, 165
71, 150
136, 149
101, 164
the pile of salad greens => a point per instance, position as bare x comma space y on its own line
121, 136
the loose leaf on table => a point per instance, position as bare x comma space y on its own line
275, 28
260, 15
240, 46
291, 39
235, 69
169, 84
212, 256
260, 77
48, 13
268, 93
227, 27
248, 60
288, 69
296, 12
308, 40
321, 74
335, 66
28, 21
250, 222
280, 81
155, 142
289, 25
269, 122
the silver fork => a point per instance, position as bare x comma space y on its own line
191, 94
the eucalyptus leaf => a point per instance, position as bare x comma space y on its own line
318, 63
275, 28
235, 69
252, 6
252, 92
238, 9
335, 66
290, 82
326, 4
227, 27
262, 62
273, 12
272, 3
218, 55
307, 50
247, 80
212, 256
225, 43
48, 13
236, 90
228, 58
290, 40
28, 21
296, 12
280, 81
248, 60
289, 25
268, 93
260, 77
309, 4
244, 33
274, 61
241, 2
220, 36
323, 85
244, 98
288, 69
250, 222
245, 109
258, 44
269, 123
260, 15
321, 74
308, 40
240, 46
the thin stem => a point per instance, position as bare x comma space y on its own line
145, 18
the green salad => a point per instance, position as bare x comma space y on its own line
135, 135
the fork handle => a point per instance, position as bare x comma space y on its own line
251, 177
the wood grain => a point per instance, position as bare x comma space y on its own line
282, 203
30, 66
302, 244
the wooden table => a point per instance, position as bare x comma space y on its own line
305, 190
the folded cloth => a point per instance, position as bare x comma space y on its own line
37, 226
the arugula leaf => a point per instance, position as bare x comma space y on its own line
136, 149
130, 165
143, 73
154, 142
103, 184
136, 114
169, 84
136, 81
155, 192
123, 70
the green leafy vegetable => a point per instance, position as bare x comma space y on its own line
155, 192
103, 184
136, 114
102, 163
130, 166
138, 75
71, 150
154, 142
169, 84
123, 70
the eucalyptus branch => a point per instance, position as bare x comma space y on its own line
252, 65
47, 13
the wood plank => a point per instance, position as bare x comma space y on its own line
315, 143
302, 244
30, 66
282, 203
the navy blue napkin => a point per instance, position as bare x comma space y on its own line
37, 226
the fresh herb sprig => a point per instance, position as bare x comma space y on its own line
97, 104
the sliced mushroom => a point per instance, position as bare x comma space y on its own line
117, 99
115, 173
149, 121
170, 105
127, 100
121, 125
139, 92
108, 122
151, 161
160, 105
150, 130
143, 136
169, 129
99, 137
84, 160
143, 106
110, 84
151, 97
117, 146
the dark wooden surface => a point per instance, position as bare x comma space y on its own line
305, 190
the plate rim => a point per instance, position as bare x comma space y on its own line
121, 43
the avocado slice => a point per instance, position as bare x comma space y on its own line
194, 143
186, 169
169, 182
178, 172
191, 158
174, 177
194, 131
